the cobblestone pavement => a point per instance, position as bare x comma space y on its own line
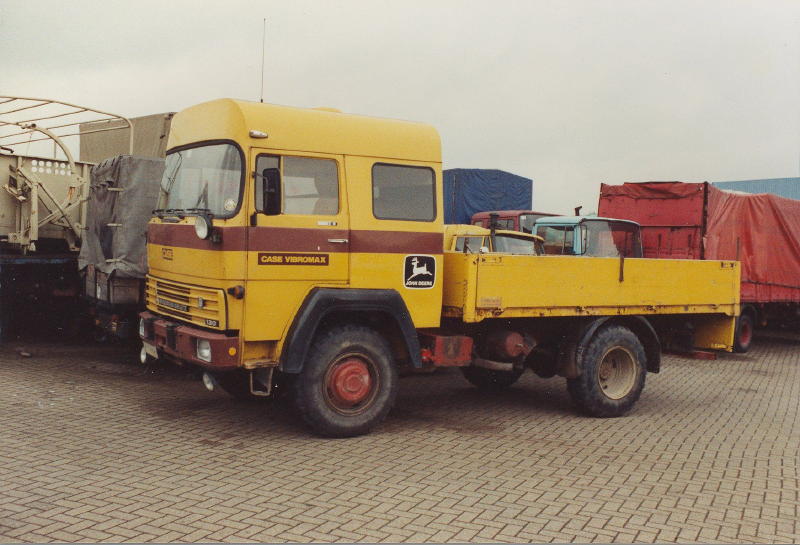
95, 448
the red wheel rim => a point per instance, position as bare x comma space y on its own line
745, 333
349, 382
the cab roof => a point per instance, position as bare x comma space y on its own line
572, 220
506, 213
304, 129
452, 231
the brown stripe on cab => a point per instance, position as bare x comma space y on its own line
289, 239
396, 242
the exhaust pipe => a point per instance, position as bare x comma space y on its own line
209, 382
492, 365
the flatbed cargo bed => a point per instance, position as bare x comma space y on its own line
481, 286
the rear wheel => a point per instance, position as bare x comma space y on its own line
348, 383
490, 380
744, 333
613, 373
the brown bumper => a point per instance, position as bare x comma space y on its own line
179, 342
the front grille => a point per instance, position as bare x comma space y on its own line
196, 305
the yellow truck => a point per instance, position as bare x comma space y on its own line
304, 251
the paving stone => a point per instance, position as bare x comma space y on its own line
97, 449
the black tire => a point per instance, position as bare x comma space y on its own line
612, 378
348, 383
490, 380
743, 338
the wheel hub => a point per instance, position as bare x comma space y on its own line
350, 382
617, 373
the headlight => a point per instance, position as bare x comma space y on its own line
204, 350
202, 227
141, 328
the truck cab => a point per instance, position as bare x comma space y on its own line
472, 239
590, 236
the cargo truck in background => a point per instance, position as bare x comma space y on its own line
113, 260
72, 233
699, 221
467, 191
570, 235
305, 251
122, 195
43, 190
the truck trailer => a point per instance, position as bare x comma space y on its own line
699, 221
467, 191
43, 193
305, 251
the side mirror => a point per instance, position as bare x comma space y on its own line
271, 180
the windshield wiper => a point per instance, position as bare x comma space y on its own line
171, 179
181, 213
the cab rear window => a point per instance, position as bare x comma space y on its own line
401, 192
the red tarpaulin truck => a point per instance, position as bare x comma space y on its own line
700, 221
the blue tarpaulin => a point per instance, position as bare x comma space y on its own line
471, 190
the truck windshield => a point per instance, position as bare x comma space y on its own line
206, 177
610, 239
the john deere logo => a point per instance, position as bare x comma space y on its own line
419, 272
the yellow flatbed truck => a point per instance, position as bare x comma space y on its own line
304, 251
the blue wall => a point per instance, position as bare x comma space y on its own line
784, 187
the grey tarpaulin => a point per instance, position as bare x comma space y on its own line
123, 194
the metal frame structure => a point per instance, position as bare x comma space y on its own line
26, 120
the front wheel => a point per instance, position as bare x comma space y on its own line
348, 383
612, 377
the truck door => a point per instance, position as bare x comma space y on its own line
298, 238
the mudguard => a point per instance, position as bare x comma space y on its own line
641, 327
321, 302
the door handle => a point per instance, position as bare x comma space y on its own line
338, 240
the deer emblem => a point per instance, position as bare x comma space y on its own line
416, 270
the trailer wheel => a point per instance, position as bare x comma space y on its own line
613, 373
348, 383
490, 380
744, 333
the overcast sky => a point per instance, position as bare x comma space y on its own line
570, 93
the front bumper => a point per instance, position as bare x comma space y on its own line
179, 342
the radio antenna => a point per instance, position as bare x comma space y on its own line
263, 49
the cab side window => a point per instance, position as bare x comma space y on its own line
558, 240
310, 186
296, 185
469, 245
507, 224
403, 193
